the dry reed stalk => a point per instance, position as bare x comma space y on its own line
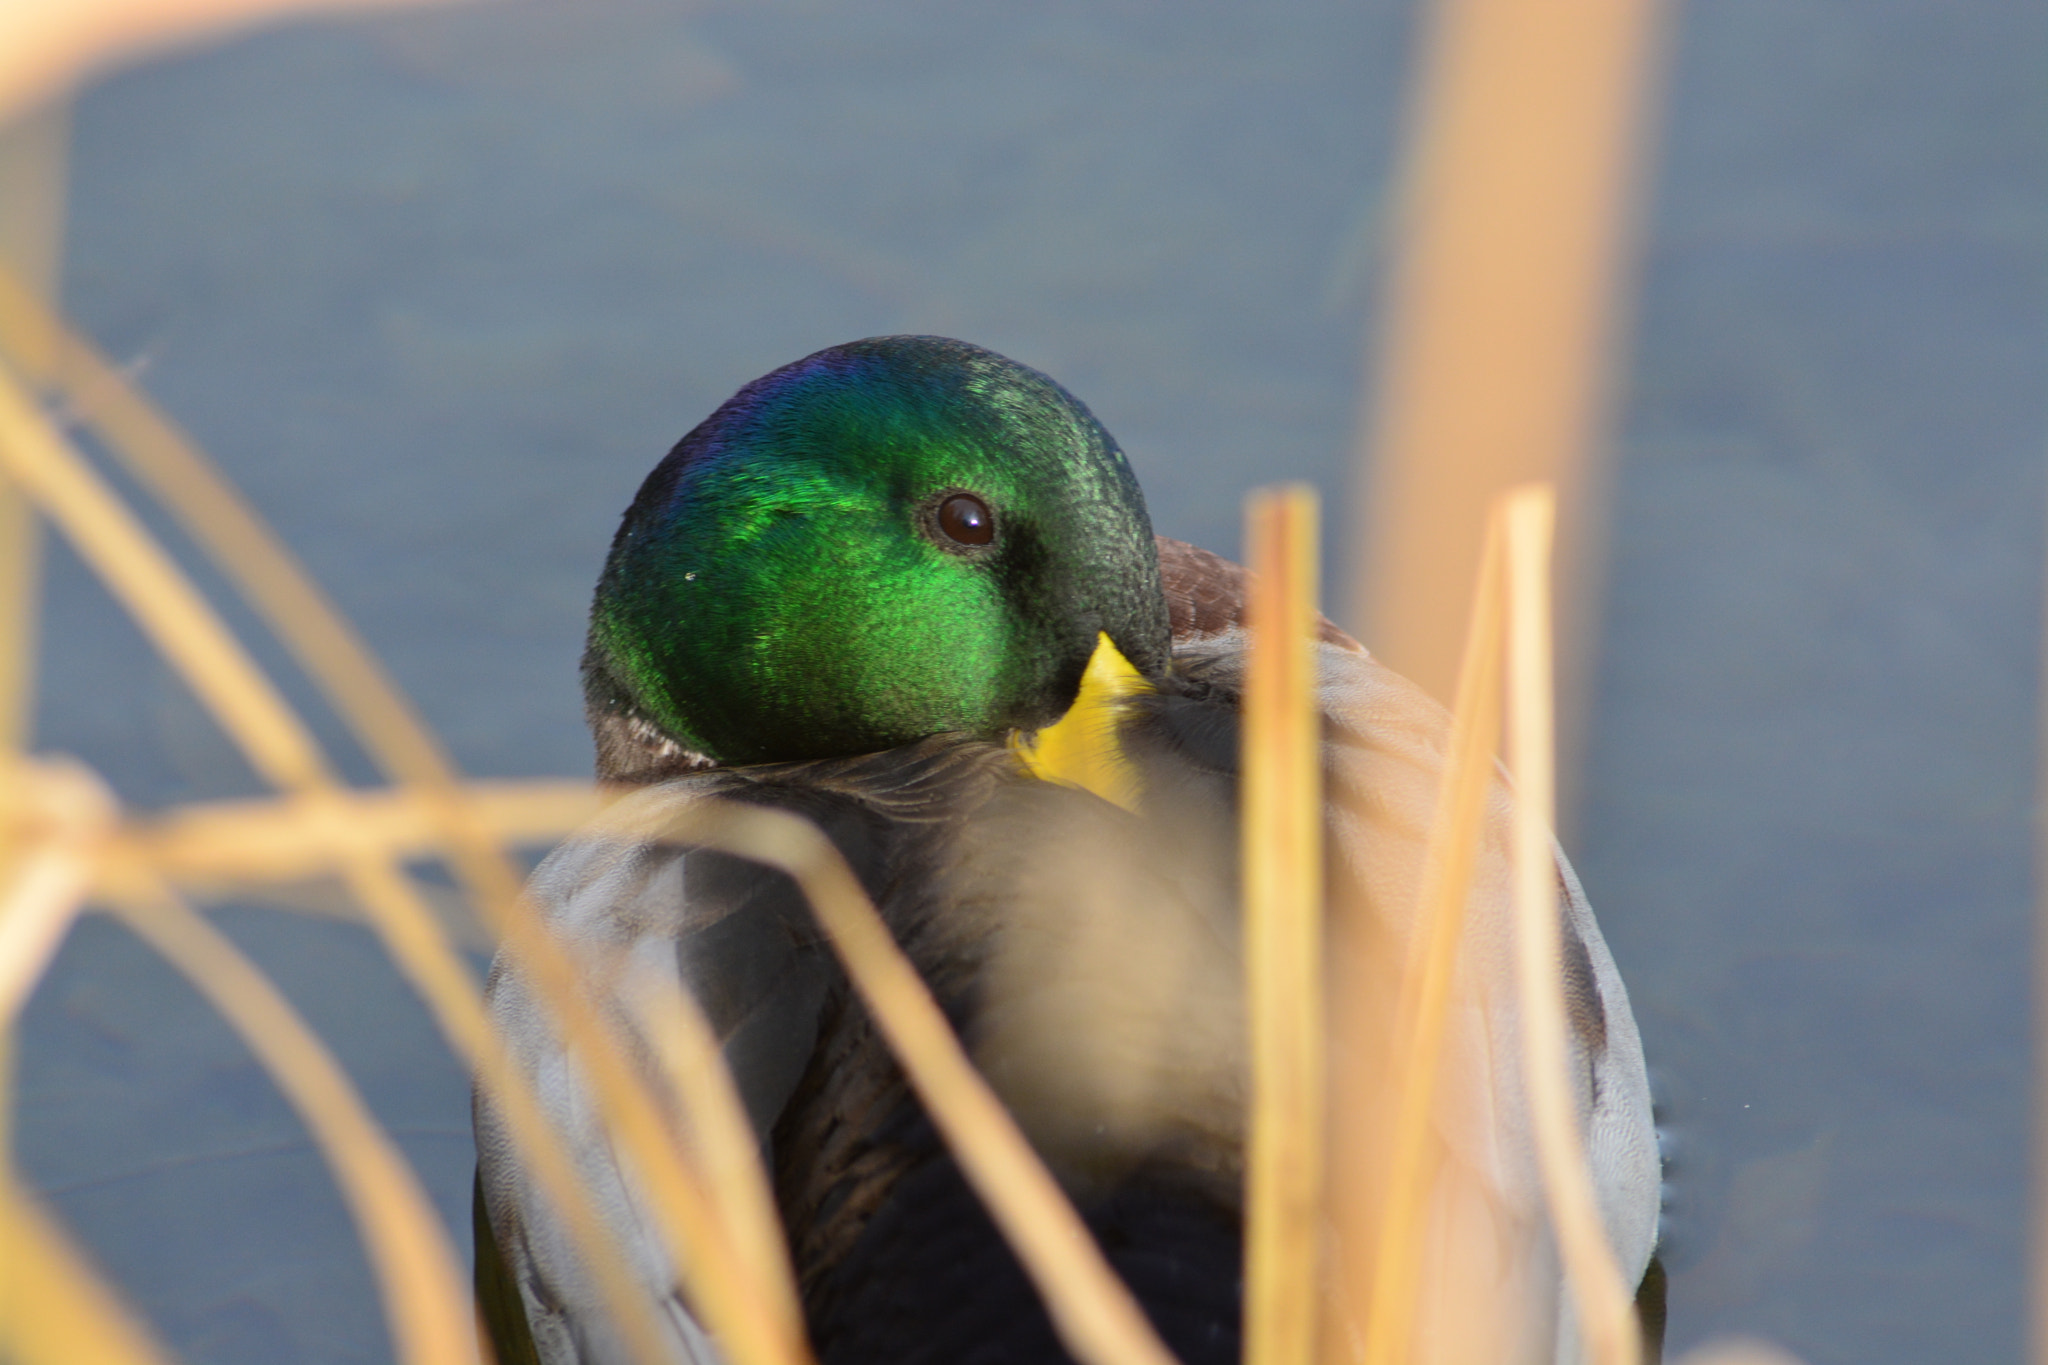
54, 825
424, 955
45, 48
1423, 1016
731, 1303
418, 1273
755, 1319
1740, 1351
35, 162
62, 888
64, 821
1604, 1308
416, 1267
752, 1320
20, 558
1094, 1314
54, 1309
729, 1152
321, 836
324, 836
156, 595
362, 693
268, 840
1283, 932
185, 629
167, 462
268, 576
1514, 220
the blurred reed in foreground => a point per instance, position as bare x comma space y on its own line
1506, 295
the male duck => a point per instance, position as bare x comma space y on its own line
856, 591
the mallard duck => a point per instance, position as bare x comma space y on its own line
863, 589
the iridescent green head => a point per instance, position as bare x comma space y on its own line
883, 541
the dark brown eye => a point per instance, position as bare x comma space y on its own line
966, 519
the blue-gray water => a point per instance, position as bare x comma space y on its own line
438, 289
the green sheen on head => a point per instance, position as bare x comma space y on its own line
807, 575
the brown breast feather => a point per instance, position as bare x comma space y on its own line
1205, 595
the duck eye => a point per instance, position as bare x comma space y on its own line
966, 519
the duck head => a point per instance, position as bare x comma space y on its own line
883, 541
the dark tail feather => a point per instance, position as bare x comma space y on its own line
1650, 1308
501, 1314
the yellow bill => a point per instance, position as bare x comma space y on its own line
1080, 749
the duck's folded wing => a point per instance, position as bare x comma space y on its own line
734, 934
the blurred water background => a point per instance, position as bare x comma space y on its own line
438, 289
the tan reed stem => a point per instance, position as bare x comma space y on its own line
728, 1150
167, 462
1606, 1314
1425, 1008
753, 1321
414, 938
33, 159
178, 620
54, 1309
1514, 220
750, 1318
322, 834
417, 1270
1738, 1351
173, 467
1094, 1314
35, 166
23, 960
64, 820
1283, 932
45, 49
270, 840
20, 561
148, 584
163, 458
